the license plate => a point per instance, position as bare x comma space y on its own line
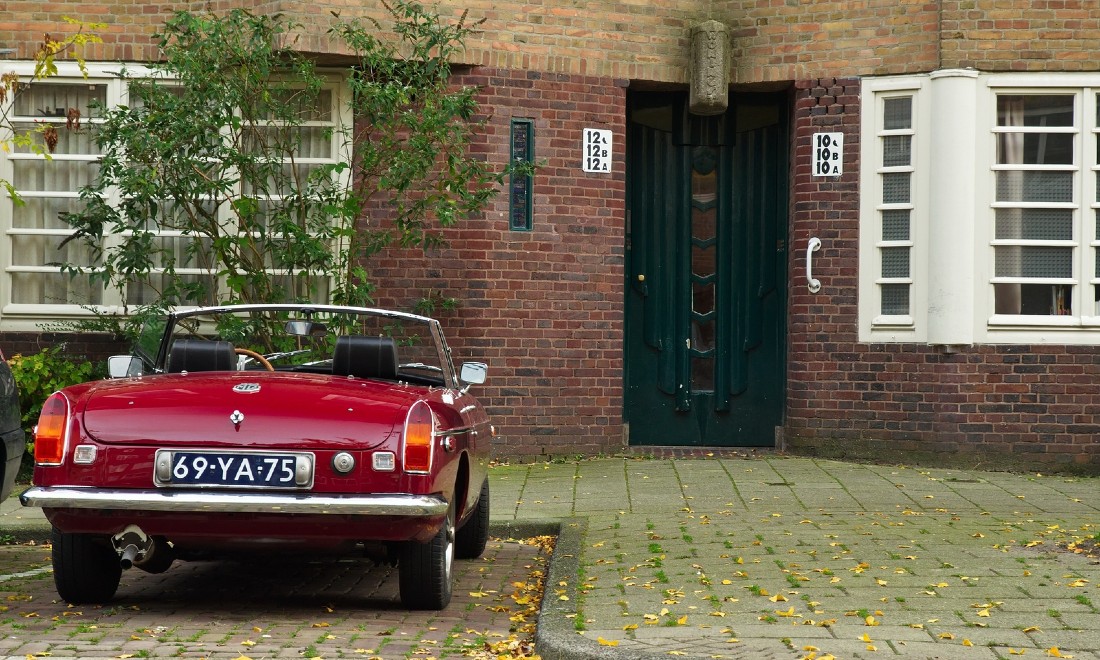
234, 469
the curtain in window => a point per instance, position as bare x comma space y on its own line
1007, 298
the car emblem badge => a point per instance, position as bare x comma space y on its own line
236, 417
246, 388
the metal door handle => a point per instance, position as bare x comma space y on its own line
814, 245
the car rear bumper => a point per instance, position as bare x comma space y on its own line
392, 505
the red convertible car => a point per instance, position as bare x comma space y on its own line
257, 427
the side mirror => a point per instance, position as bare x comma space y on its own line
473, 373
123, 366
305, 328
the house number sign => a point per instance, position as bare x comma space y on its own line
597, 150
828, 154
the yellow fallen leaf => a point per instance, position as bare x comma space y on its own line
630, 626
984, 612
682, 621
1017, 651
870, 621
865, 638
607, 642
946, 635
778, 598
967, 642
1055, 653
1031, 629
872, 647
787, 612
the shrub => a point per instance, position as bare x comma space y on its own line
40, 375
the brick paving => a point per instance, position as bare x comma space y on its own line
289, 607
696, 555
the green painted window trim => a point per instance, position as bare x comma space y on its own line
521, 185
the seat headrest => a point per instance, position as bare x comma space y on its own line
365, 357
201, 355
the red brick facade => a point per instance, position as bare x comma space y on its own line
545, 308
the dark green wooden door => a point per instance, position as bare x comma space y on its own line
706, 263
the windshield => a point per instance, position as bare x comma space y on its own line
341, 341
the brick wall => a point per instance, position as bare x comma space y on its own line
771, 41
1020, 35
1021, 406
542, 308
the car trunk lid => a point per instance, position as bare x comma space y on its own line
255, 409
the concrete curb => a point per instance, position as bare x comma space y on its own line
556, 637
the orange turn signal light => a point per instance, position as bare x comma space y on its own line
51, 433
419, 433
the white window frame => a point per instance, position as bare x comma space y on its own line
875, 326
956, 209
29, 317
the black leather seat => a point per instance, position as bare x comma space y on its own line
201, 355
365, 357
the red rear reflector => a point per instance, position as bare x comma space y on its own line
419, 429
50, 434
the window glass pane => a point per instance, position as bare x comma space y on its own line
897, 113
56, 99
1033, 261
1046, 110
43, 212
1034, 299
1024, 186
46, 249
895, 225
895, 299
70, 140
59, 175
53, 289
1035, 148
895, 262
895, 188
896, 150
1035, 224
148, 291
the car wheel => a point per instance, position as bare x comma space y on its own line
425, 569
86, 568
472, 536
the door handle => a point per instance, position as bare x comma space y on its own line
814, 245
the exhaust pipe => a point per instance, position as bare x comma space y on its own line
132, 545
128, 555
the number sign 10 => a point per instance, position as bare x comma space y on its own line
828, 154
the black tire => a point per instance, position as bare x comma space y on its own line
426, 571
474, 534
86, 568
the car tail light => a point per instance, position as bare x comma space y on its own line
51, 434
419, 433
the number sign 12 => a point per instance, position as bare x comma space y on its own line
596, 156
828, 154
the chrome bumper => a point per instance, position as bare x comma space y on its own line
416, 506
